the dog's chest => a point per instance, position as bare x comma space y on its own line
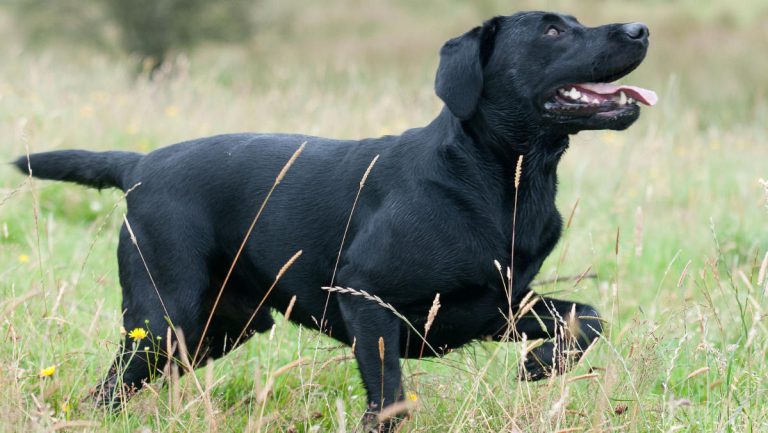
535, 225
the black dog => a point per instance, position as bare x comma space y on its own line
435, 212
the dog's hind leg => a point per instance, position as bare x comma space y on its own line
568, 327
235, 320
163, 285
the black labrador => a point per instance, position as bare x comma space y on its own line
436, 211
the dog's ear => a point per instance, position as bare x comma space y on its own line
459, 80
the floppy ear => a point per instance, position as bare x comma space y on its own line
459, 80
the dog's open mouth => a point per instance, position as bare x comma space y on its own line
600, 99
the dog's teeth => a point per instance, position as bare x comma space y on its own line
585, 99
630, 100
622, 98
574, 94
563, 92
595, 101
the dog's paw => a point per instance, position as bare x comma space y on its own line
545, 361
371, 424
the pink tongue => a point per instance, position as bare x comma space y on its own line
647, 97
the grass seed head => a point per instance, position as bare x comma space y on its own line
518, 171
432, 313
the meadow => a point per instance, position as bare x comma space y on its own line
668, 221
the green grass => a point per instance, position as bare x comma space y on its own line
681, 291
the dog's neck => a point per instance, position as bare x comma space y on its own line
499, 149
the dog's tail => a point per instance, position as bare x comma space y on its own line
94, 169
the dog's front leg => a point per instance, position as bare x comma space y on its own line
568, 328
375, 333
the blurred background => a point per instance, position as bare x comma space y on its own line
662, 214
141, 74
709, 49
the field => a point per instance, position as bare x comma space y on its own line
669, 221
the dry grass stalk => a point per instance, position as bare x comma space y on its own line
24, 133
397, 408
75, 424
216, 301
381, 349
290, 366
432, 314
573, 213
256, 310
557, 411
430, 319
103, 224
288, 164
135, 243
745, 280
381, 357
378, 300
583, 377
763, 270
13, 192
336, 360
289, 310
538, 319
264, 394
639, 232
10, 304
586, 275
207, 397
697, 372
572, 323
260, 422
349, 222
188, 366
368, 171
361, 184
501, 275
510, 273
174, 394
341, 415
526, 306
364, 294
683, 274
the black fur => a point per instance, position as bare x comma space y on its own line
435, 213
98, 170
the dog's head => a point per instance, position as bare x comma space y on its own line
535, 70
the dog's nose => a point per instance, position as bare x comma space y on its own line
635, 30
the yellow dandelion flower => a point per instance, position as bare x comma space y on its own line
137, 334
411, 396
132, 128
144, 144
48, 371
23, 258
171, 111
86, 111
65, 406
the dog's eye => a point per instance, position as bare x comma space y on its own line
553, 31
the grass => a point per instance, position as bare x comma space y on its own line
669, 215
